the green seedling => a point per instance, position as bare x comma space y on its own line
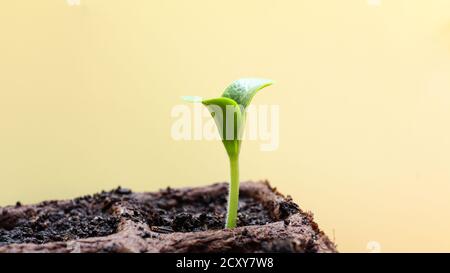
229, 113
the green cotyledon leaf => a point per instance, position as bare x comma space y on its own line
228, 111
242, 91
227, 115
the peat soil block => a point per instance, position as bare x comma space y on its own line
171, 220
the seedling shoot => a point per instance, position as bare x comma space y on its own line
229, 113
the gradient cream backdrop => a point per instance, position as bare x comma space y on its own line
364, 94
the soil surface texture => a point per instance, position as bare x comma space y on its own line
171, 220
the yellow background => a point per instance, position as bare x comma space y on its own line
364, 93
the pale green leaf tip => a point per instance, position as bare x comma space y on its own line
193, 99
243, 90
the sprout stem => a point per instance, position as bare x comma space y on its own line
233, 193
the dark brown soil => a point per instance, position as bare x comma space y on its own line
83, 217
171, 220
174, 211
